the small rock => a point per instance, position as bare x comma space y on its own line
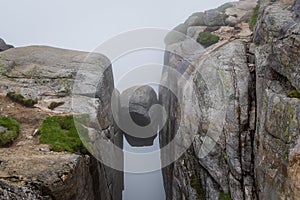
64, 177
4, 46
212, 29
29, 137
54, 105
2, 129
194, 31
251, 67
35, 132
44, 149
21, 143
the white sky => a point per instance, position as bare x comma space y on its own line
84, 24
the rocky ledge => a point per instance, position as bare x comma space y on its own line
29, 169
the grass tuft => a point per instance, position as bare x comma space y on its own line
224, 196
18, 98
13, 127
60, 132
195, 183
293, 94
254, 17
207, 39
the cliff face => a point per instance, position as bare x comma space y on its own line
52, 176
277, 74
256, 155
28, 169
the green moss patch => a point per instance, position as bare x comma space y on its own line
13, 127
195, 183
60, 132
207, 39
224, 196
254, 17
293, 94
18, 98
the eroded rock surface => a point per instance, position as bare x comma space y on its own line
224, 167
30, 170
255, 152
277, 73
48, 74
25, 175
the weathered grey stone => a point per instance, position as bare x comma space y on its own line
25, 175
247, 164
278, 28
208, 18
296, 8
228, 168
137, 102
176, 35
214, 18
4, 46
194, 31
197, 19
3, 129
227, 65
239, 12
277, 131
140, 100
230, 14
48, 73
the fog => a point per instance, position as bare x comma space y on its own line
83, 25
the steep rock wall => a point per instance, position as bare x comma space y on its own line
256, 155
277, 73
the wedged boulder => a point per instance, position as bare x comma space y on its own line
135, 104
